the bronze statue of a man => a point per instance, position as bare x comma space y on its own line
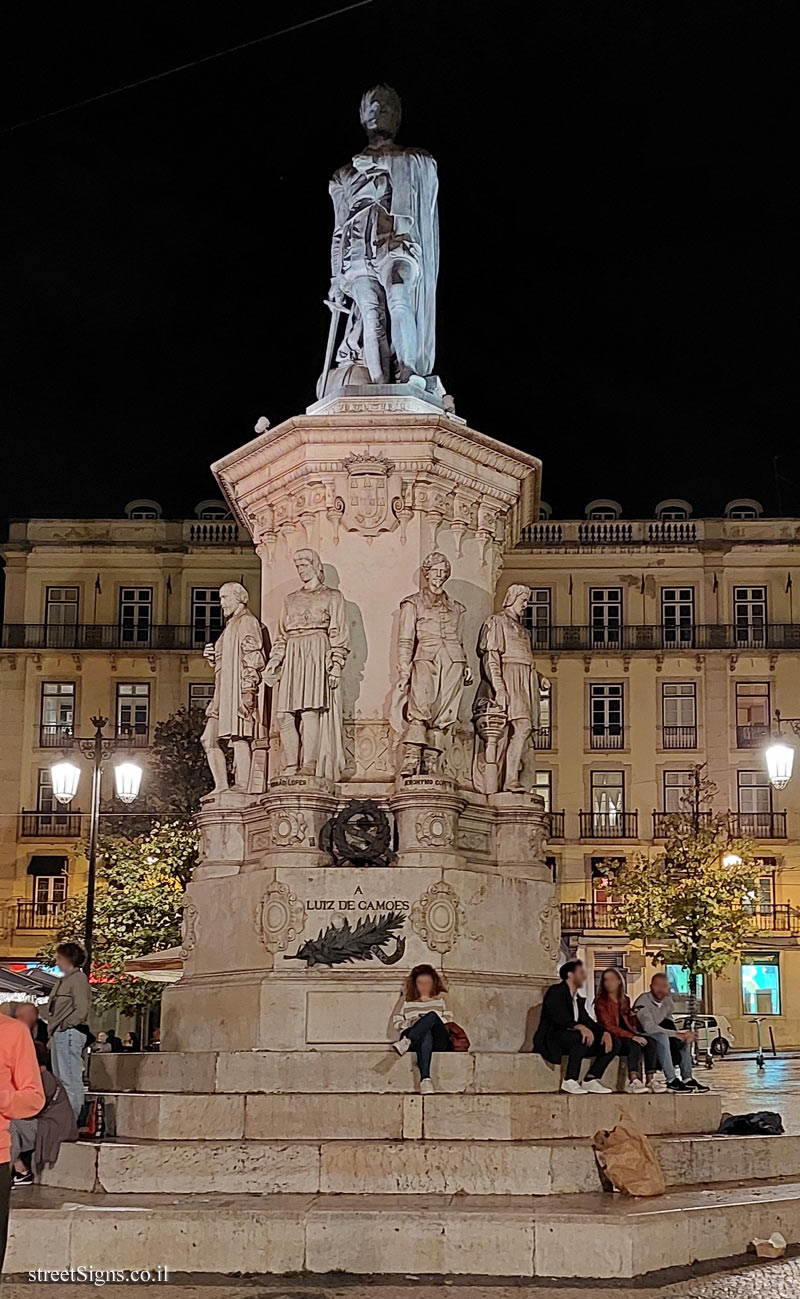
385, 250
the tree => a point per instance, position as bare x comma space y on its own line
695, 899
179, 774
140, 883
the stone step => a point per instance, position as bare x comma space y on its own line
358, 1071
326, 1116
560, 1167
592, 1235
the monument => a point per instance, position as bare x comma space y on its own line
372, 688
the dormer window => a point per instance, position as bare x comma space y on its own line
143, 509
143, 513
743, 508
545, 510
603, 510
211, 510
673, 510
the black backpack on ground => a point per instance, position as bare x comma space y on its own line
764, 1123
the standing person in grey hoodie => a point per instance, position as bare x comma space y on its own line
655, 1010
68, 1009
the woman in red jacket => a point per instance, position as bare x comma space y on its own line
613, 1012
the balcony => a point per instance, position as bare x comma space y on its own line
580, 917
679, 737
609, 825
80, 637
613, 532
758, 825
39, 915
50, 825
57, 736
753, 735
211, 532
541, 738
643, 637
663, 822
606, 737
555, 825
136, 736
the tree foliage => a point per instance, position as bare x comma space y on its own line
695, 899
140, 883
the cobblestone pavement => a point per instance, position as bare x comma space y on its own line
772, 1281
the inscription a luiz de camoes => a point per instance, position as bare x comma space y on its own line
358, 903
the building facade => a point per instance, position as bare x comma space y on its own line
102, 617
669, 642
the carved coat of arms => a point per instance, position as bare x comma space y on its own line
367, 506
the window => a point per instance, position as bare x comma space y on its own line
57, 713
133, 711
679, 715
541, 737
764, 901
673, 513
61, 615
537, 617
606, 721
678, 977
200, 694
752, 714
750, 615
135, 614
608, 799
677, 615
761, 983
52, 814
602, 512
206, 614
543, 786
742, 512
48, 889
213, 512
678, 787
605, 615
755, 804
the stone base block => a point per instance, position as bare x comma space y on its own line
500, 1236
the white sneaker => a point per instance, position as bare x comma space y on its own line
635, 1087
658, 1083
574, 1088
402, 1045
426, 1087
594, 1085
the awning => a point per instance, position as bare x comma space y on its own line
47, 866
34, 982
157, 967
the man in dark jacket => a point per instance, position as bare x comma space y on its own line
567, 1029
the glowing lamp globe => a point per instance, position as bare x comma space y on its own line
780, 760
127, 778
65, 777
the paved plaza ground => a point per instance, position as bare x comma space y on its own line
741, 1087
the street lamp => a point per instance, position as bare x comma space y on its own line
779, 755
65, 777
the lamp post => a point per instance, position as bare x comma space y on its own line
779, 755
65, 776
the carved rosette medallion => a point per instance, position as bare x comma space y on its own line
435, 829
438, 917
189, 915
550, 929
288, 828
280, 917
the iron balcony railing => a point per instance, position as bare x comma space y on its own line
679, 737
135, 736
541, 738
55, 736
664, 821
577, 917
102, 636
50, 825
606, 737
642, 637
609, 825
555, 825
758, 825
39, 915
753, 735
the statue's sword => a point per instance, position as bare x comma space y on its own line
337, 309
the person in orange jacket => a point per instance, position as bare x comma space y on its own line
21, 1096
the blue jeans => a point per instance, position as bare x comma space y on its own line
67, 1046
427, 1035
663, 1046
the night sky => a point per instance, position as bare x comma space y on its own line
619, 277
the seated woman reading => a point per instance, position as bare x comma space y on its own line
422, 1021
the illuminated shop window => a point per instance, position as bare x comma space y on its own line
679, 985
761, 983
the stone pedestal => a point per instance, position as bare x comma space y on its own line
373, 483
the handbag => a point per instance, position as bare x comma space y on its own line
458, 1038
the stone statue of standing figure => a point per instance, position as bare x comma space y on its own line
432, 670
384, 254
507, 705
234, 714
307, 658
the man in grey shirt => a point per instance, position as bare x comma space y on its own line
654, 1011
68, 1009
